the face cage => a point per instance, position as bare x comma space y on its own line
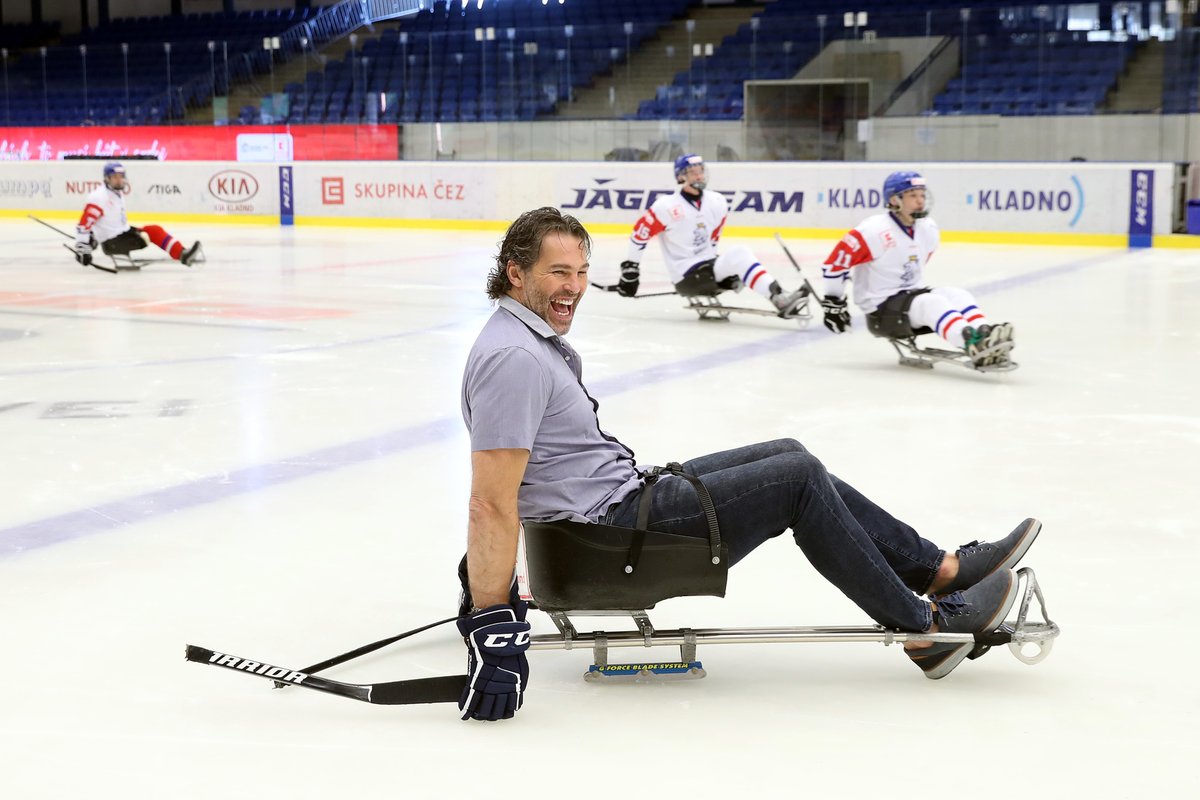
698, 185
920, 214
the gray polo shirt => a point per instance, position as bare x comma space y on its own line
522, 388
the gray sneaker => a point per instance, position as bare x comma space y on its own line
980, 609
978, 560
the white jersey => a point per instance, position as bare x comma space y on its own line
881, 257
104, 214
689, 234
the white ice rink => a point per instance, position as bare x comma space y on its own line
265, 456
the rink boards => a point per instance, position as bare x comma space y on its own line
1038, 203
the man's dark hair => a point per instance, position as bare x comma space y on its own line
523, 244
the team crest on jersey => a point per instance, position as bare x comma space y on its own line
888, 239
909, 271
700, 235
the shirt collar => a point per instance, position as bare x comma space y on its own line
531, 320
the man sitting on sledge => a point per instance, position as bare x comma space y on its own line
884, 257
689, 223
539, 453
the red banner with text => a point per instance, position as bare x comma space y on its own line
258, 143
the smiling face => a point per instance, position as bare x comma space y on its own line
553, 286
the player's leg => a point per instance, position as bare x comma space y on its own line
916, 560
958, 318
759, 500
738, 263
948, 317
173, 247
123, 243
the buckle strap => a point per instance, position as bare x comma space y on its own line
643, 515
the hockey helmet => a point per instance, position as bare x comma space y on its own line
686, 161
900, 182
113, 168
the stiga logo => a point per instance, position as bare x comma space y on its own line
333, 191
233, 186
603, 196
1046, 201
163, 188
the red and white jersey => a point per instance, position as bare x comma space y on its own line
689, 234
104, 214
880, 257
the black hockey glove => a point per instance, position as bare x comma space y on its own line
837, 318
83, 246
497, 670
631, 275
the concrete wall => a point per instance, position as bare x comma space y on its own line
1117, 137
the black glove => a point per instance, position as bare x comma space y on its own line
837, 318
631, 275
497, 670
83, 246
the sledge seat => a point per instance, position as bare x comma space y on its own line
573, 566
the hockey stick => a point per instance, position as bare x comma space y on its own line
444, 689
95, 264
788, 253
367, 648
51, 227
613, 288
69, 248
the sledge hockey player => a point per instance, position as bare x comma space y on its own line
104, 222
884, 256
690, 222
538, 452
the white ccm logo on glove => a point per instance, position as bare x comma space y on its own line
518, 639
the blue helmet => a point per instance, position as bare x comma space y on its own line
681, 167
113, 168
899, 183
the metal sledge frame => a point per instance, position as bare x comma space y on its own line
913, 355
569, 570
1018, 634
710, 307
126, 262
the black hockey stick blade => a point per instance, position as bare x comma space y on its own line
443, 689
95, 264
365, 649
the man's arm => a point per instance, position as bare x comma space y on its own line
851, 251
493, 524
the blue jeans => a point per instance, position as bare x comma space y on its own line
760, 491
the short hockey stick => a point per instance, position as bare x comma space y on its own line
788, 253
366, 648
613, 288
444, 689
94, 263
